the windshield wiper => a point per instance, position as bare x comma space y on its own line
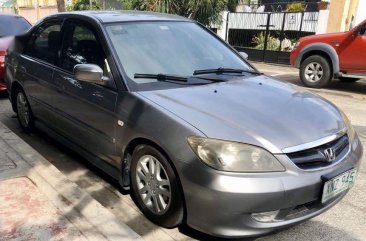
167, 77
224, 70
161, 77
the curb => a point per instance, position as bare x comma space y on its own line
93, 220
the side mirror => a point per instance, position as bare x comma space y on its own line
90, 73
244, 55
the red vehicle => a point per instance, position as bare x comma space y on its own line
10, 25
320, 58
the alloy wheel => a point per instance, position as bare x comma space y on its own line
153, 184
23, 109
313, 72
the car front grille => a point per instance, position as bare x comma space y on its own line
317, 157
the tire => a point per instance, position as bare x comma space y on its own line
348, 80
316, 72
171, 208
24, 112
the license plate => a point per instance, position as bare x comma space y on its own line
339, 184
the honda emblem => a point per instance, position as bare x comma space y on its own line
329, 154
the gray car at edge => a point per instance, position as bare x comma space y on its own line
181, 119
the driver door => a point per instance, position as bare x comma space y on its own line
352, 57
86, 110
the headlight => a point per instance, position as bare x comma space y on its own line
350, 131
233, 156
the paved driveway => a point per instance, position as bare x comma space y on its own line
289, 74
346, 221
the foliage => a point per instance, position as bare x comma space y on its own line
323, 5
231, 5
272, 43
69, 7
206, 12
85, 5
126, 4
97, 4
295, 7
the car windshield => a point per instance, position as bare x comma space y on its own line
170, 48
12, 25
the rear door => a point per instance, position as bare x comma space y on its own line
87, 111
35, 69
353, 57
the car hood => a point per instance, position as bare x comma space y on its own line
325, 37
260, 111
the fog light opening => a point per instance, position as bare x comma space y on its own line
265, 217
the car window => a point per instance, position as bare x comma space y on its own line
81, 46
45, 43
174, 48
363, 30
18, 25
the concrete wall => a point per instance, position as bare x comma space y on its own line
340, 15
361, 12
322, 22
32, 14
6, 10
221, 30
350, 21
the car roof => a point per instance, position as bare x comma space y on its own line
13, 16
10, 15
124, 16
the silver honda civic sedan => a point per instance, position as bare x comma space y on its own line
181, 119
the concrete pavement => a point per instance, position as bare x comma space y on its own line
37, 202
287, 73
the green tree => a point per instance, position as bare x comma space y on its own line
126, 4
206, 12
231, 5
85, 5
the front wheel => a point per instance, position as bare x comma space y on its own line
24, 112
155, 187
315, 72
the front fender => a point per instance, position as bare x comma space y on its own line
320, 47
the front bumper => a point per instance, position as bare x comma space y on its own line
221, 203
293, 56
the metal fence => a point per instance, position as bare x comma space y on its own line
269, 37
280, 6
